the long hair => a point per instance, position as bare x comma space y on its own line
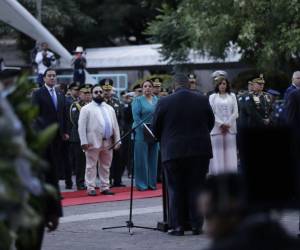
218, 81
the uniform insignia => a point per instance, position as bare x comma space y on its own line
247, 98
74, 109
256, 99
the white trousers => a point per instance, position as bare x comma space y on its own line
224, 154
104, 158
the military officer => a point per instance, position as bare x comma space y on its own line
73, 90
117, 166
257, 106
157, 82
76, 156
193, 81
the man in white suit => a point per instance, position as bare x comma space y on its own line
98, 130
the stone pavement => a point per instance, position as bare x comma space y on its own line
81, 228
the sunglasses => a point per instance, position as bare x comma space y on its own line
96, 92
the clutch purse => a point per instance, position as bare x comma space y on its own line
149, 137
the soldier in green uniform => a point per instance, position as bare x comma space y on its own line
72, 96
257, 106
117, 166
76, 156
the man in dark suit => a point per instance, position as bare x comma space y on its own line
294, 85
182, 123
51, 104
292, 114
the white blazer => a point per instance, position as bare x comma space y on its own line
91, 124
219, 120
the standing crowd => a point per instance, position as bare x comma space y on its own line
195, 134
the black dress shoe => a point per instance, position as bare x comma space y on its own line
176, 232
82, 187
92, 192
107, 192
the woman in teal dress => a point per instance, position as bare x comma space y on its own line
145, 154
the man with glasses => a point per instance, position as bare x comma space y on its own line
98, 131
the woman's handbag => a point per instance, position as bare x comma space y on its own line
149, 137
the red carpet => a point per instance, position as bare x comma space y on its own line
121, 194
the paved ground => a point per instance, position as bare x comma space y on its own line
81, 228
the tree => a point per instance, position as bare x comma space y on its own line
92, 23
265, 32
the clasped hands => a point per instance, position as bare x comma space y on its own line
224, 128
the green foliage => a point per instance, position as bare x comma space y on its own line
92, 23
21, 190
266, 32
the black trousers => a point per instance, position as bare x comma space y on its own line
77, 160
66, 163
184, 178
117, 168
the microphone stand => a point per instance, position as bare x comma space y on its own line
129, 223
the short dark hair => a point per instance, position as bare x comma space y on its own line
47, 70
181, 79
219, 81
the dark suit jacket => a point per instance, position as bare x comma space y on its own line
288, 91
182, 123
292, 110
48, 115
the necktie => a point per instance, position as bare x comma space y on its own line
107, 125
53, 97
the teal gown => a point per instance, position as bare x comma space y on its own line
145, 154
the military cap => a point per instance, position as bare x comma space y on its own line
192, 77
259, 80
156, 81
6, 72
85, 88
137, 86
74, 85
106, 84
